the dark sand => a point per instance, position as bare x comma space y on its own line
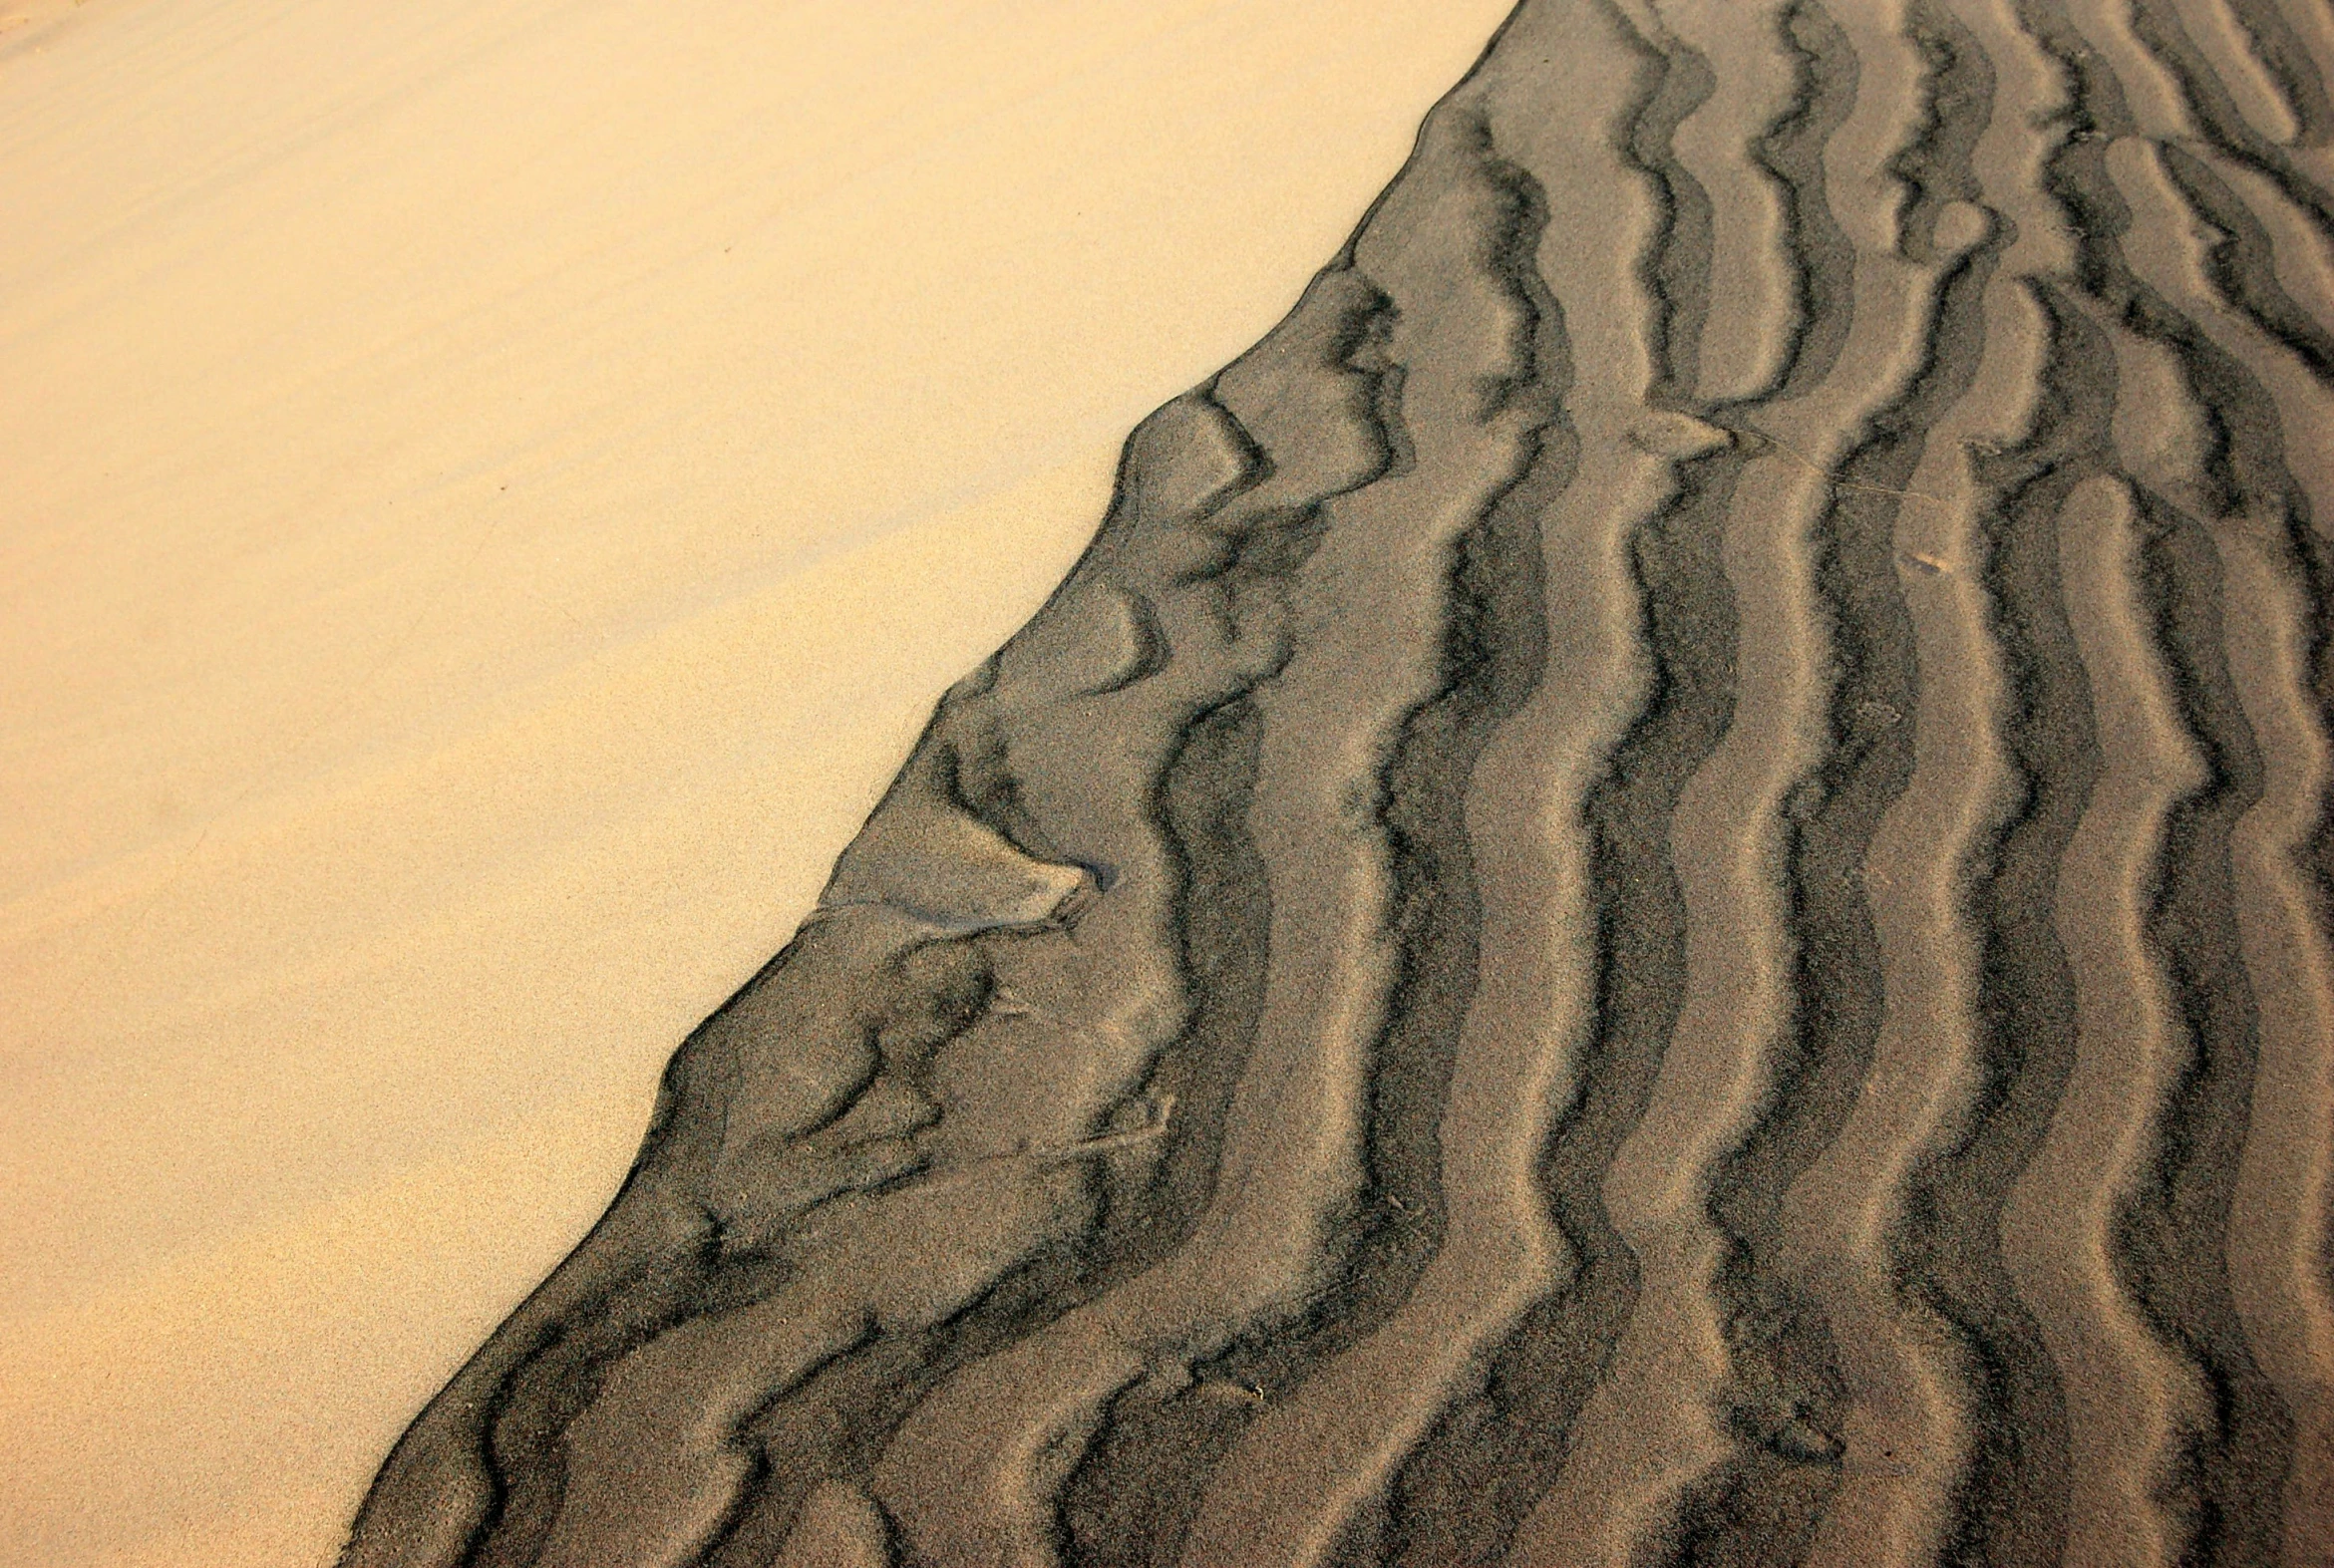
1658, 896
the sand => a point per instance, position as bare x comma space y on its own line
490, 492
1656, 897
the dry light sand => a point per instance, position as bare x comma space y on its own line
1657, 897
489, 492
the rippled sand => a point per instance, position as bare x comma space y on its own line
1656, 897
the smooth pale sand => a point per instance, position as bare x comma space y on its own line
489, 492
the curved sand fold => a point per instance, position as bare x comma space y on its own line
1658, 894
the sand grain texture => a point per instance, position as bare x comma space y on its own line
1658, 895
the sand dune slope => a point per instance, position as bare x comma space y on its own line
1658, 894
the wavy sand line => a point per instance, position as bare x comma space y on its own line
2276, 1298
1293, 1154
1743, 342
2127, 1398
2275, 1240
1305, 1472
1907, 1440
1650, 1433
2278, 1256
